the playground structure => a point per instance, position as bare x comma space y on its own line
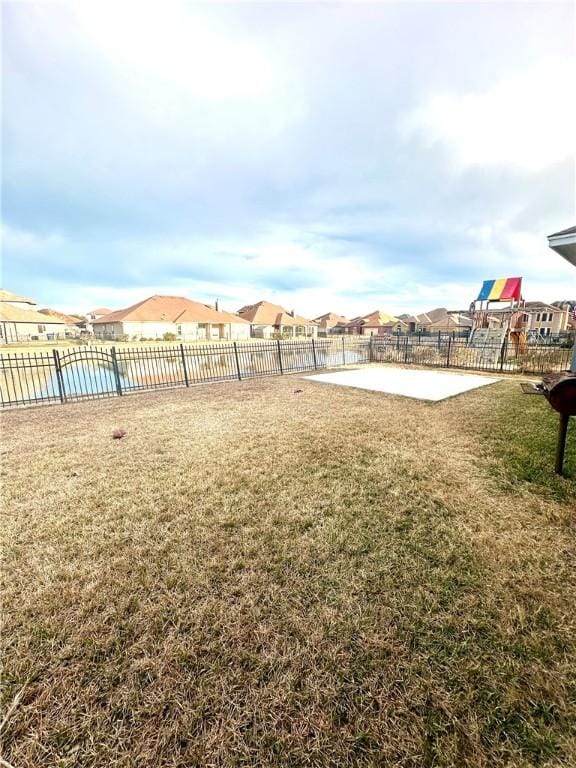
503, 328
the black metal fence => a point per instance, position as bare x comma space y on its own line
103, 371
448, 352
560, 339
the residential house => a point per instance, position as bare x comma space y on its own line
157, 316
72, 324
331, 323
271, 320
96, 314
540, 319
439, 320
546, 319
19, 321
376, 324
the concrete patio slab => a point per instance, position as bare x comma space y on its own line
421, 385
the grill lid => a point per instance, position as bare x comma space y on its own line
560, 391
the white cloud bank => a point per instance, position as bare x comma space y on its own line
527, 120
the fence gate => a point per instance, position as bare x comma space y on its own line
87, 373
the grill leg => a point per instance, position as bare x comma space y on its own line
561, 445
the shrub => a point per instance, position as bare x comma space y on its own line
168, 336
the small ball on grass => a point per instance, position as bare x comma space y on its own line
118, 434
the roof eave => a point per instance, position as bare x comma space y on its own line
564, 245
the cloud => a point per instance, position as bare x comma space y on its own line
527, 119
182, 50
254, 152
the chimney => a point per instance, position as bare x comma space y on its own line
216, 305
291, 313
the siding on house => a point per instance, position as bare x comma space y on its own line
18, 324
546, 319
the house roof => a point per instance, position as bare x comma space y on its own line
375, 319
564, 243
331, 319
569, 231
9, 296
11, 314
530, 306
100, 311
53, 313
542, 305
171, 309
440, 316
266, 313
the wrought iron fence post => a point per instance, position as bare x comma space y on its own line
405, 350
371, 350
116, 371
184, 365
448, 352
59, 377
238, 373
280, 356
314, 354
343, 352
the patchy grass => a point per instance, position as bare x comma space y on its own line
518, 437
259, 577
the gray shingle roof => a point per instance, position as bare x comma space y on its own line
569, 231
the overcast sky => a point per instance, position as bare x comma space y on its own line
329, 157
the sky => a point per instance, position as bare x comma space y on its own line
341, 157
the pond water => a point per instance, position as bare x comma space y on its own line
90, 378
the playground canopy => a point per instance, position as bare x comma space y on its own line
503, 289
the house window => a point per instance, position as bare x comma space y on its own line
41, 328
179, 330
538, 317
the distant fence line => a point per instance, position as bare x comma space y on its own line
93, 372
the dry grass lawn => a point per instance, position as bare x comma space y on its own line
256, 576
